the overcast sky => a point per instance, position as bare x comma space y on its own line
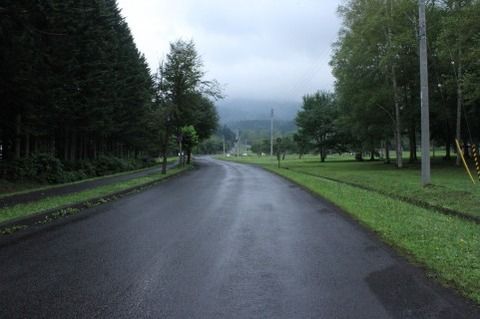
257, 49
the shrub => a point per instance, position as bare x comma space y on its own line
38, 167
45, 168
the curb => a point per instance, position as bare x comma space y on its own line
12, 226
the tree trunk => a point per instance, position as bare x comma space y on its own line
323, 154
412, 143
27, 144
53, 147
73, 146
65, 148
164, 162
448, 148
458, 133
36, 144
398, 134
18, 138
95, 145
180, 151
164, 150
397, 129
387, 152
81, 154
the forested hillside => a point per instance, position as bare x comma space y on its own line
76, 92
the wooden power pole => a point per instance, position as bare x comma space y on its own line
425, 121
271, 132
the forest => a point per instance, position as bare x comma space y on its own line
79, 100
376, 101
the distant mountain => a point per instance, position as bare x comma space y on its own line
235, 110
252, 117
263, 126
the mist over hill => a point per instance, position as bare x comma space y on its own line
252, 117
235, 110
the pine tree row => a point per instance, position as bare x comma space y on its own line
72, 83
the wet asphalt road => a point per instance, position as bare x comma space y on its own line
222, 241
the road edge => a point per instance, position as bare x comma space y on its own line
22, 224
398, 250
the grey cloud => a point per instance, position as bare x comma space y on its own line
275, 49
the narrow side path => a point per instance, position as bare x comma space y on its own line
76, 187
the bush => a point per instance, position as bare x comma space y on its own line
105, 165
83, 167
38, 167
45, 168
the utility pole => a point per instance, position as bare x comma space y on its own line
425, 126
271, 132
224, 153
238, 143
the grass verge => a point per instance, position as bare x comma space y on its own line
447, 246
451, 189
23, 210
15, 188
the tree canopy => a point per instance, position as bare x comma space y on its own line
376, 66
74, 85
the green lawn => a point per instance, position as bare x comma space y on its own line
22, 210
448, 247
451, 187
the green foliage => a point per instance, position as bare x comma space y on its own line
39, 168
376, 66
74, 86
316, 121
182, 99
106, 165
45, 168
189, 136
73, 83
183, 88
261, 147
213, 145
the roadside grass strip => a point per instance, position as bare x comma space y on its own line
451, 191
23, 210
448, 247
27, 187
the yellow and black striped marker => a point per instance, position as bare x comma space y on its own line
460, 152
475, 157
